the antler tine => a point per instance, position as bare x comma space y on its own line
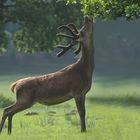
73, 26
69, 29
65, 35
65, 49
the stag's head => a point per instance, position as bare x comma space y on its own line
87, 29
88, 22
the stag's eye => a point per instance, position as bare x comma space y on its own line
90, 19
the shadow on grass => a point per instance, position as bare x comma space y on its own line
128, 100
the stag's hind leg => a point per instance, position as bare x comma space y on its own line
4, 117
9, 112
80, 103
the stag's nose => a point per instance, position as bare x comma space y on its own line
87, 19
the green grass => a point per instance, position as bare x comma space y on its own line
112, 114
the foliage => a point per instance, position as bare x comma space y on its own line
4, 102
3, 38
38, 21
110, 9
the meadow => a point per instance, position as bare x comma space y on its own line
112, 107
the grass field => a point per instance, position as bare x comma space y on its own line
112, 114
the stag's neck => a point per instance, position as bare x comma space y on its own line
87, 58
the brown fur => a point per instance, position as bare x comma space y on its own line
13, 86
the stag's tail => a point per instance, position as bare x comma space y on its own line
13, 87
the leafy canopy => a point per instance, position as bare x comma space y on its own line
110, 9
37, 22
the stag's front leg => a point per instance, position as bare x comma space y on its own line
80, 103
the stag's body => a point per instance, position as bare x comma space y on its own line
74, 81
50, 89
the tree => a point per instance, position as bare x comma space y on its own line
38, 19
37, 22
3, 39
110, 9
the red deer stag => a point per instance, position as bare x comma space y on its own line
74, 81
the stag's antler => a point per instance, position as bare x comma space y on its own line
74, 36
64, 49
74, 27
72, 31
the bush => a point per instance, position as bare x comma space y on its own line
4, 101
